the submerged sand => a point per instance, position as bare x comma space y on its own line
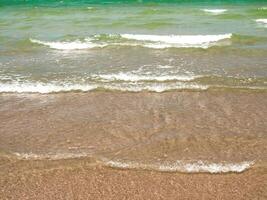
64, 146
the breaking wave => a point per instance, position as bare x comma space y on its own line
148, 41
75, 45
263, 21
166, 41
44, 88
215, 11
135, 77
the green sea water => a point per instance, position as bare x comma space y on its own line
54, 46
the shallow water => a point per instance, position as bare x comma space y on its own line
166, 86
129, 46
211, 131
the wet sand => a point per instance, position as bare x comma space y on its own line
77, 179
55, 146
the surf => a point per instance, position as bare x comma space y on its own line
74, 45
215, 11
148, 41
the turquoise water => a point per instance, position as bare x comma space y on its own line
54, 46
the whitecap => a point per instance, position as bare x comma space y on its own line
262, 8
166, 41
215, 11
263, 21
149, 41
74, 45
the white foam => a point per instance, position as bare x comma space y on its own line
184, 166
75, 45
44, 88
155, 87
263, 21
135, 77
166, 41
215, 11
149, 41
165, 66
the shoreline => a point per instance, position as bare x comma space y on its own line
77, 179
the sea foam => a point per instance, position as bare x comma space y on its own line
135, 77
184, 166
198, 166
44, 88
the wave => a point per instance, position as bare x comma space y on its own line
75, 45
148, 41
163, 166
262, 8
45, 88
263, 21
166, 41
124, 83
184, 166
215, 11
136, 77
